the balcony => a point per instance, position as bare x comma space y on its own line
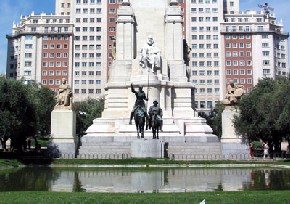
250, 30
39, 32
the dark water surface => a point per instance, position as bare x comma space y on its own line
143, 180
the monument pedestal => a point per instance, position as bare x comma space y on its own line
147, 148
229, 135
233, 145
63, 131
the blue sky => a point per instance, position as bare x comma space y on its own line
11, 10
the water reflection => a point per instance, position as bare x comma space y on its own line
144, 180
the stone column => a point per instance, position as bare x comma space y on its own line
120, 72
181, 90
125, 44
174, 42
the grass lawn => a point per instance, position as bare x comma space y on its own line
9, 163
245, 197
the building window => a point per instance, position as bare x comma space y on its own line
28, 46
266, 53
266, 71
202, 104
51, 64
266, 62
51, 82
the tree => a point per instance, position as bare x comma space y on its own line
44, 101
86, 112
214, 119
15, 110
216, 122
264, 113
24, 111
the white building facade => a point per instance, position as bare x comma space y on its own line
203, 35
254, 46
90, 45
39, 50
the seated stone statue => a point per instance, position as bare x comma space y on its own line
233, 93
150, 55
64, 94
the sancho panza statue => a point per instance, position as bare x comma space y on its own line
64, 95
233, 93
150, 55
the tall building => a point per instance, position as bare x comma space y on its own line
39, 50
203, 35
231, 45
90, 45
255, 46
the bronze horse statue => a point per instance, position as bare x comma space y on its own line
155, 125
139, 117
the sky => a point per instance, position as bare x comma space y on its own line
11, 10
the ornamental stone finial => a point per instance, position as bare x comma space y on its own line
173, 3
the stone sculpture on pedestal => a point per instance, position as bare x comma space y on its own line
64, 96
63, 123
232, 143
233, 94
150, 55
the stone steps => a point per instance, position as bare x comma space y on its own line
194, 151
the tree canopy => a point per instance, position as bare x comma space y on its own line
24, 111
264, 113
86, 112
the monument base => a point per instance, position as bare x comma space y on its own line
147, 148
233, 145
115, 138
63, 124
236, 151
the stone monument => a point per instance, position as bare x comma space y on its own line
149, 53
63, 122
232, 143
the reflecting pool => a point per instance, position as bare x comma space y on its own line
143, 179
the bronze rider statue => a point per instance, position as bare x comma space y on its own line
155, 109
140, 97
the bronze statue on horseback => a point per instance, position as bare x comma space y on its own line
155, 119
139, 111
